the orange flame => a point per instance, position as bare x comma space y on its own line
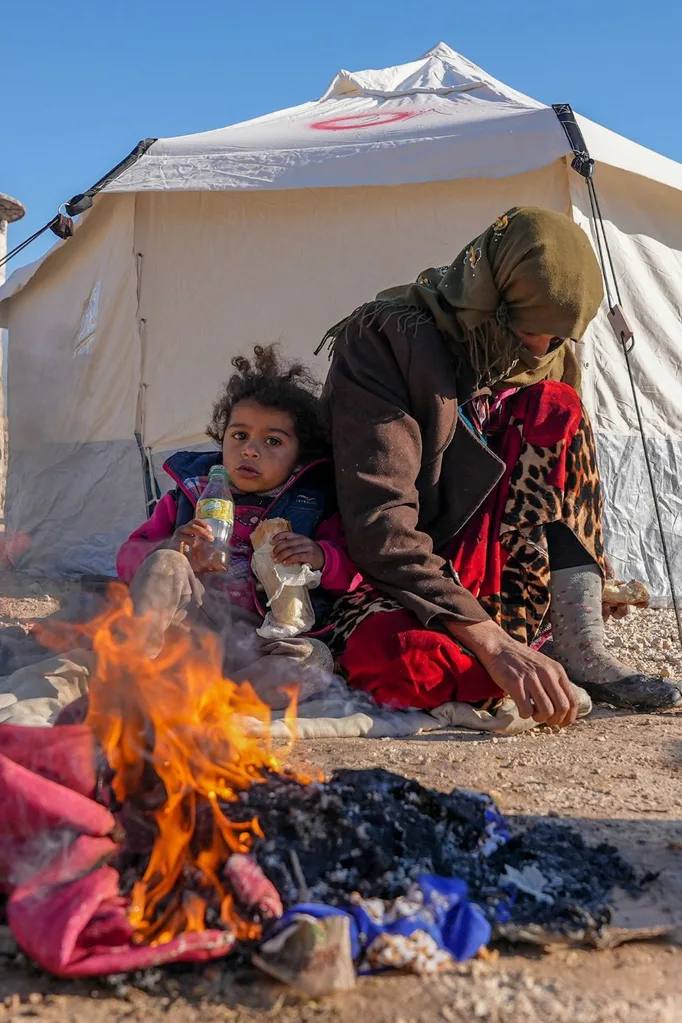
178, 716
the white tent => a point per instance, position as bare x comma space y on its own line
203, 245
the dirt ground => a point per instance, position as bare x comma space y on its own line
616, 776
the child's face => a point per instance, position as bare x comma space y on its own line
260, 447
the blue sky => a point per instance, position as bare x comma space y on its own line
84, 82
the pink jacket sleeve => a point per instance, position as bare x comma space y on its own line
339, 575
150, 535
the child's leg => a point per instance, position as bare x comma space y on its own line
164, 591
279, 664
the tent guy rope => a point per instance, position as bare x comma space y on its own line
583, 164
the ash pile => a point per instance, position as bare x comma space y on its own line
375, 833
372, 834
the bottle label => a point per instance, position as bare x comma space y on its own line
215, 508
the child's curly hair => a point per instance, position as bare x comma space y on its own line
271, 382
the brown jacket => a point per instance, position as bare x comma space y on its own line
408, 474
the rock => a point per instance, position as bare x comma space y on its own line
312, 956
56, 1000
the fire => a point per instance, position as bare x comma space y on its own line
172, 730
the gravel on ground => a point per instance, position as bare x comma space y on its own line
616, 775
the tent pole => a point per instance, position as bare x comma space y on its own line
11, 210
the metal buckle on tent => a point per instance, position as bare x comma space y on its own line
583, 164
62, 224
78, 204
621, 328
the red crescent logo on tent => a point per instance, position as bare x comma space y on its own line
363, 120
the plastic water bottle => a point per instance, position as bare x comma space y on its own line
216, 508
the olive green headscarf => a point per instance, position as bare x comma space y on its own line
533, 270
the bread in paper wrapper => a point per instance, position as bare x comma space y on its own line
633, 593
286, 586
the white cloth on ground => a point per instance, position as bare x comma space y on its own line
35, 694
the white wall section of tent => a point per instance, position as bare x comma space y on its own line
273, 230
74, 485
644, 227
225, 271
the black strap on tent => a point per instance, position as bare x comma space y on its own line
83, 201
583, 164
62, 225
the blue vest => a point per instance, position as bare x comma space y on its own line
306, 501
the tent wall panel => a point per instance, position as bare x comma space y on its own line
75, 482
644, 229
224, 271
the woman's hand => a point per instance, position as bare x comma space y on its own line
539, 686
294, 549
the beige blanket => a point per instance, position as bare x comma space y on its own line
35, 694
357, 716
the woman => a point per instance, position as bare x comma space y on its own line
468, 484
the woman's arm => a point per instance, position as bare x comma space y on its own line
538, 685
378, 455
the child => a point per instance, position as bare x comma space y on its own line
272, 442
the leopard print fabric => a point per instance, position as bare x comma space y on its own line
533, 500
522, 604
352, 609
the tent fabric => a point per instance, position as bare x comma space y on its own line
612, 150
125, 331
74, 482
64, 906
436, 119
311, 238
644, 229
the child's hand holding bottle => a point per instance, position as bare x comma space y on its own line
207, 536
194, 540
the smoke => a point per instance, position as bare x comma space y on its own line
44, 851
277, 669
